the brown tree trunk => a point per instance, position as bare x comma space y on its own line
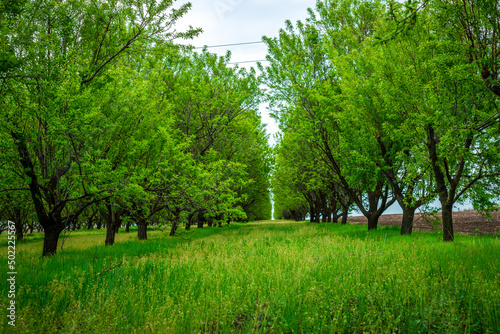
345, 214
201, 218
372, 222
111, 220
344, 218
407, 222
447, 218
142, 229
110, 236
19, 229
127, 228
335, 216
173, 228
50, 239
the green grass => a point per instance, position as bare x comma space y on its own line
259, 278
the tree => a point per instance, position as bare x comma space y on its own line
305, 85
446, 110
58, 55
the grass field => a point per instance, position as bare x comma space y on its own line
263, 277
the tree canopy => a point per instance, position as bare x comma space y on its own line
387, 102
105, 117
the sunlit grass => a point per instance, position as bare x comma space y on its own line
261, 278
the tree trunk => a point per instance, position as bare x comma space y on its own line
127, 228
201, 219
372, 222
447, 218
345, 215
18, 223
335, 216
407, 223
190, 220
50, 239
112, 221
324, 209
173, 228
142, 229
110, 235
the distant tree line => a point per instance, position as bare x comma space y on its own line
106, 122
382, 102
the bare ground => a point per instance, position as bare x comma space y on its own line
463, 222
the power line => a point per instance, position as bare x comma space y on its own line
246, 61
234, 44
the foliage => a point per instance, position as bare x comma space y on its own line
385, 103
95, 98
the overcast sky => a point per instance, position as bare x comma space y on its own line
238, 21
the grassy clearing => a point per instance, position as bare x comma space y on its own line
260, 278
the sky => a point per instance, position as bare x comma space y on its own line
237, 21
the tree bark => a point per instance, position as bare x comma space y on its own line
127, 228
344, 218
110, 235
345, 214
142, 229
18, 223
50, 239
407, 222
335, 216
190, 220
372, 222
112, 219
201, 219
447, 218
173, 228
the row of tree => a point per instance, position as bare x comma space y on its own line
106, 120
380, 101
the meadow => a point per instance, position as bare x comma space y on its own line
263, 277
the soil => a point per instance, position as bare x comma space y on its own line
469, 222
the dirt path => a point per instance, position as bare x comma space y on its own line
463, 222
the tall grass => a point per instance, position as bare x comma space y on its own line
260, 278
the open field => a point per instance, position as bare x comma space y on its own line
263, 277
467, 221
